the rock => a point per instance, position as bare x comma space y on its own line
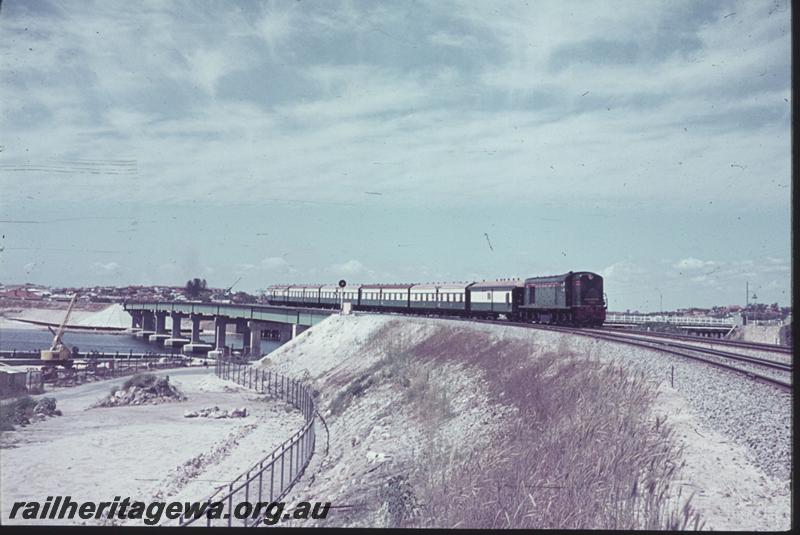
190, 414
241, 412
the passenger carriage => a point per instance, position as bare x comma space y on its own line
442, 298
278, 294
387, 297
490, 299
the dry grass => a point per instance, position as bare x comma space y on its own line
398, 366
584, 452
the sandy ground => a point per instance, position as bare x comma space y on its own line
733, 494
140, 451
375, 437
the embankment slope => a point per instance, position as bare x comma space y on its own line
444, 423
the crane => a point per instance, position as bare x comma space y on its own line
228, 290
59, 353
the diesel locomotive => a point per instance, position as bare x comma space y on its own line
574, 298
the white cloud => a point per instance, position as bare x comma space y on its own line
107, 268
274, 263
474, 105
449, 39
623, 272
351, 268
692, 263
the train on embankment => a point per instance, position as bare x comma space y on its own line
574, 298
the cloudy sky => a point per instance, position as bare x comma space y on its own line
305, 141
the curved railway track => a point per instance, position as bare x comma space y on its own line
756, 346
765, 370
768, 371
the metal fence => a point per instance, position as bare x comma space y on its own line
270, 479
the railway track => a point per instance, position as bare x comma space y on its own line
769, 371
773, 372
755, 346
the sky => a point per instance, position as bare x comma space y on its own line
300, 141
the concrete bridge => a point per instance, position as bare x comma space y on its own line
697, 325
149, 322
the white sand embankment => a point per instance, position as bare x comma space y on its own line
376, 437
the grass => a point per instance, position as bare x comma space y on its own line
398, 366
583, 453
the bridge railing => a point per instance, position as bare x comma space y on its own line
674, 320
271, 478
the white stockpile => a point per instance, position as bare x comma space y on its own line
113, 316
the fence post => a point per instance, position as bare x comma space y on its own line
247, 493
272, 475
260, 480
291, 461
230, 504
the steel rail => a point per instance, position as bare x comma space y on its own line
756, 346
671, 349
783, 366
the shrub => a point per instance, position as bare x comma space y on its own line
16, 412
142, 380
6, 417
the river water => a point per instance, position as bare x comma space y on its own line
24, 337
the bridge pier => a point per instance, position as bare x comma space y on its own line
220, 324
251, 322
254, 345
195, 328
176, 340
136, 319
161, 328
176, 324
196, 345
298, 330
148, 324
244, 330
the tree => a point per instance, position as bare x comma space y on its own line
195, 287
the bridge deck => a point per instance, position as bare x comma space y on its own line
278, 314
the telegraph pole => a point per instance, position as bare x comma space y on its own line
746, 299
660, 302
